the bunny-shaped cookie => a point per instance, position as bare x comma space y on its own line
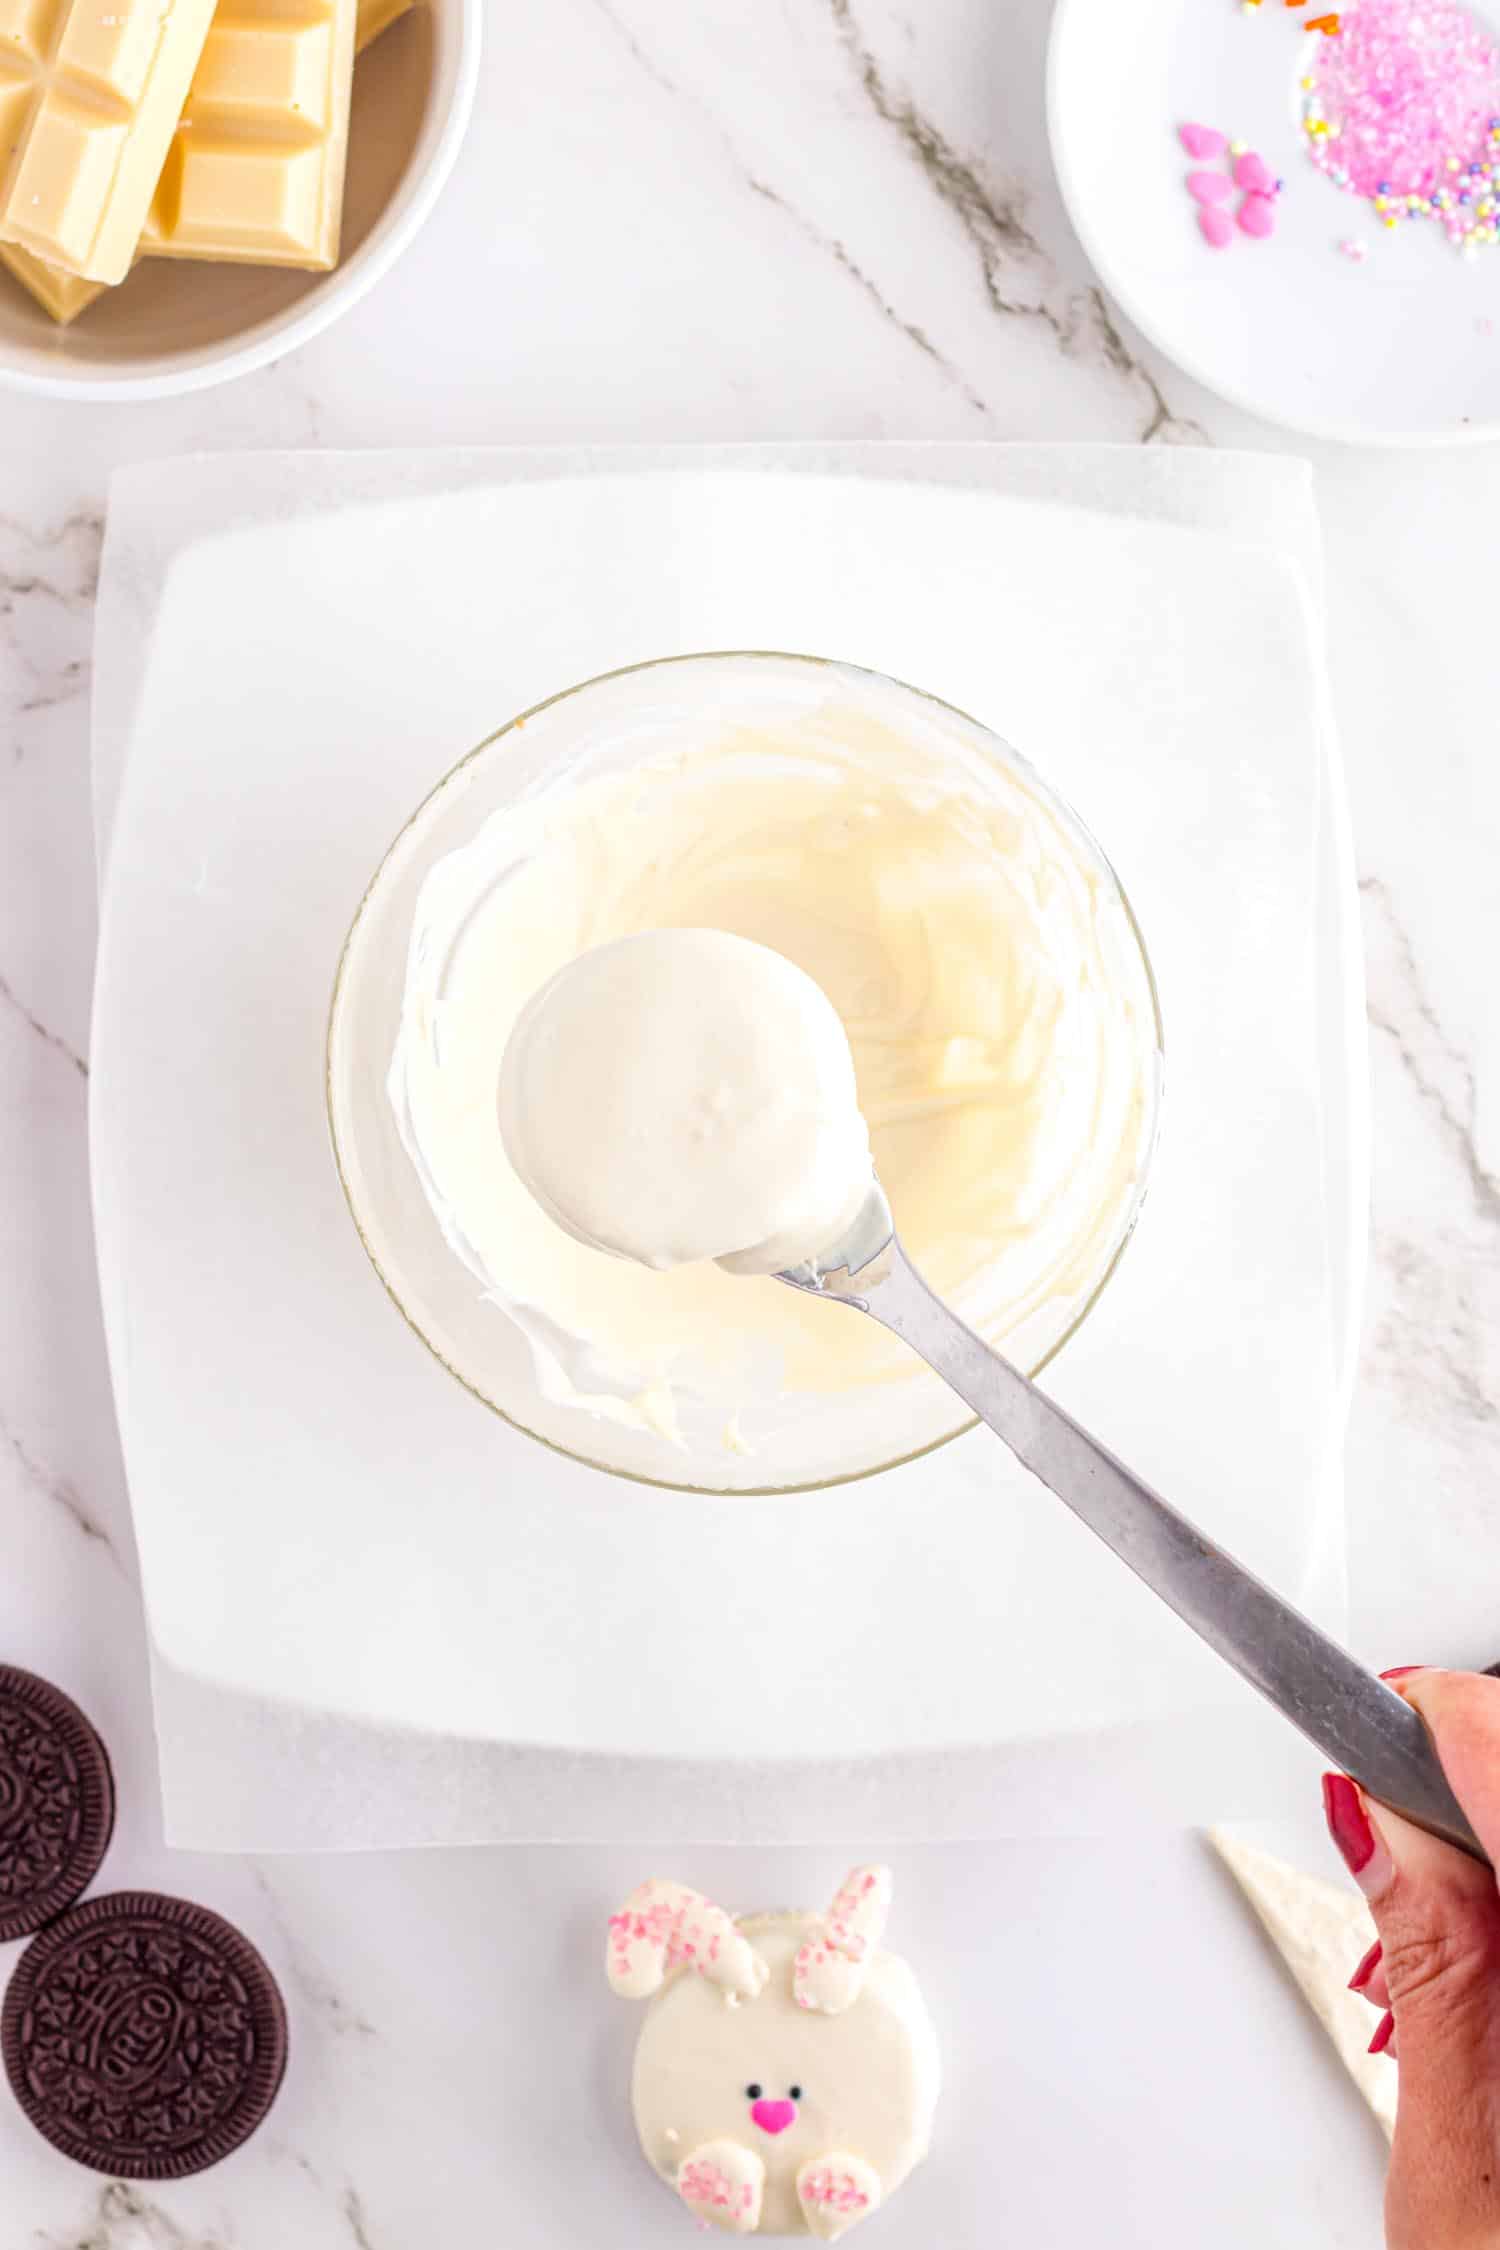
787, 2070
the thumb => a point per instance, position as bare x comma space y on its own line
1462, 1714
1438, 1916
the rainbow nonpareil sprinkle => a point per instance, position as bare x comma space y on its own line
1403, 109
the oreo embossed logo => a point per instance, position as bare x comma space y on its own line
143, 2036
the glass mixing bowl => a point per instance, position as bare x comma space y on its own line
608, 726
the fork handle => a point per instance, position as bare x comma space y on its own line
1363, 1726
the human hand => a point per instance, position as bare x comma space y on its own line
1436, 1972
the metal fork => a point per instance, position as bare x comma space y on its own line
1352, 1717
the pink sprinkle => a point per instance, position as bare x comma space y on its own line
1208, 187
1257, 215
1357, 252
1201, 140
1402, 110
1216, 226
1253, 175
828, 2190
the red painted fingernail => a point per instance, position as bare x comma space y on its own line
1347, 1821
1385, 2032
1366, 1969
1404, 1671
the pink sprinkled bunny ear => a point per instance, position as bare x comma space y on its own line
664, 1926
829, 1971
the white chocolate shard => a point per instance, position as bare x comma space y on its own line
1320, 1929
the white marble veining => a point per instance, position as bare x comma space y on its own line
744, 218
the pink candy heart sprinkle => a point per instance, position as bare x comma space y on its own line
1208, 187
1201, 140
1257, 215
1253, 174
1216, 225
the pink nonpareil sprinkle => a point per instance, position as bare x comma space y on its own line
1201, 140
1408, 91
828, 2190
1216, 226
1209, 187
1356, 252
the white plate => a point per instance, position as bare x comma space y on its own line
327, 1524
1403, 349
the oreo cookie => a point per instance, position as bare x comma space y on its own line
143, 2036
57, 1802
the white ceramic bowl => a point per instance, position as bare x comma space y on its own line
177, 325
611, 725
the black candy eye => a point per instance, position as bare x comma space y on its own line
794, 2093
753, 2093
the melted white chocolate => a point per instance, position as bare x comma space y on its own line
984, 972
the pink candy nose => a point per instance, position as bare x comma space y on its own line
774, 2117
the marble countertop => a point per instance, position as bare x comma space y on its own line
745, 219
